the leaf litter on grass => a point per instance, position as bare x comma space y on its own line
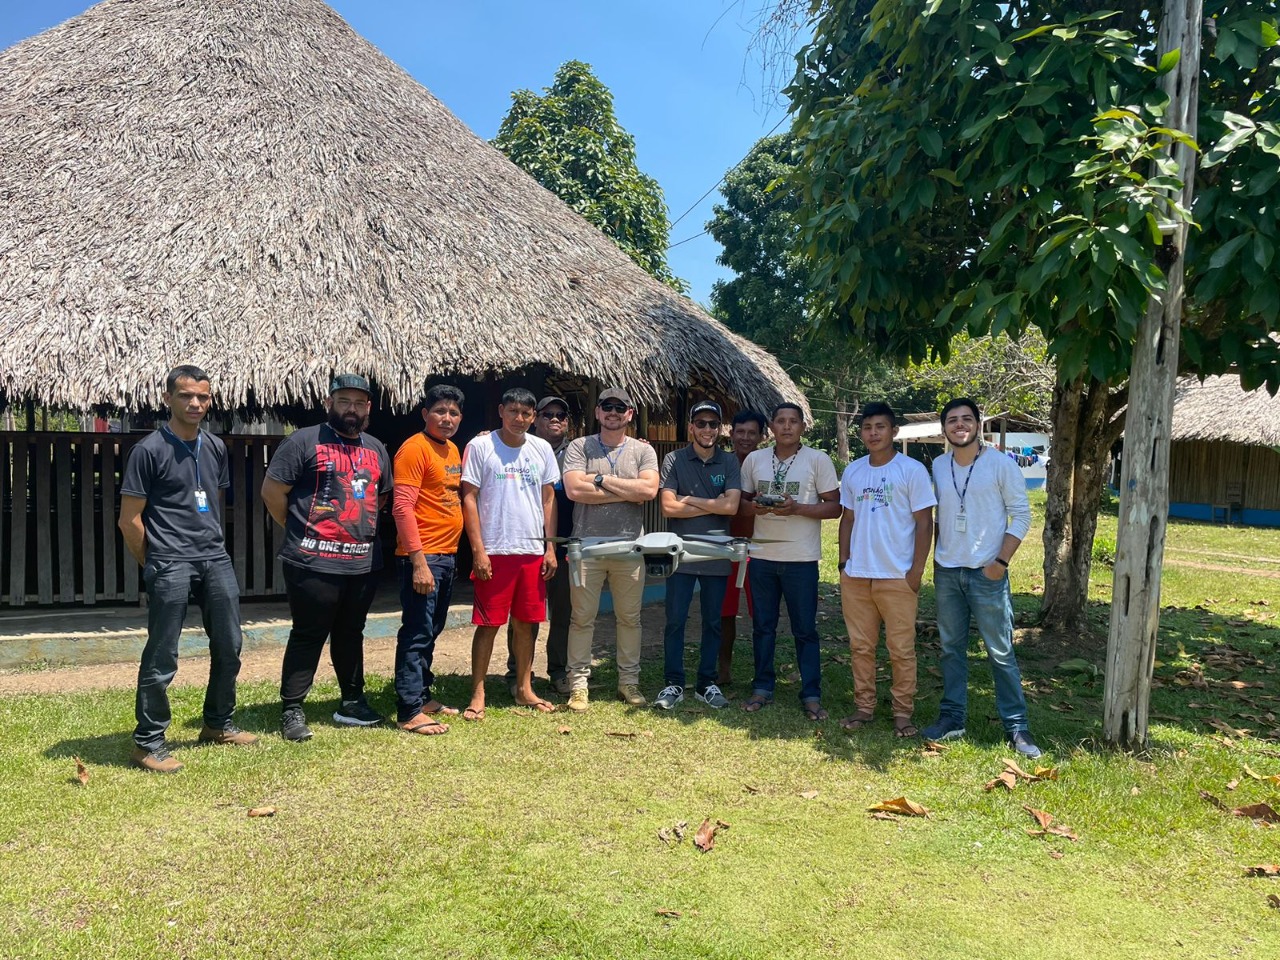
1047, 826
899, 806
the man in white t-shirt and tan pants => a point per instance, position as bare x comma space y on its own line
885, 529
793, 489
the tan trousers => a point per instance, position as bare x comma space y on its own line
626, 584
866, 604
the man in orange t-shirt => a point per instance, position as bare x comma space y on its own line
428, 512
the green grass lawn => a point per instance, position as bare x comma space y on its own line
511, 839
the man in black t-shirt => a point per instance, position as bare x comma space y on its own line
171, 520
326, 485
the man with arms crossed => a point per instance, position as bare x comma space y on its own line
749, 428
509, 513
983, 516
800, 490
171, 520
700, 488
609, 476
326, 485
427, 508
552, 425
885, 528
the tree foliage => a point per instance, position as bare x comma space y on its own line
1038, 124
570, 141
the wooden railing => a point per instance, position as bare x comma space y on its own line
59, 499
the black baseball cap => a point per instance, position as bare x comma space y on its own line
552, 399
349, 381
706, 405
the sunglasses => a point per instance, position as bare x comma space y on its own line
707, 424
614, 407
554, 416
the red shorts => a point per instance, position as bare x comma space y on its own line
730, 606
516, 590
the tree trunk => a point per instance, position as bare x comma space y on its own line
842, 430
1084, 428
1144, 479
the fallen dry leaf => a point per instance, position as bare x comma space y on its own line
1056, 854
1012, 767
665, 835
563, 730
82, 773
1209, 798
902, 806
624, 734
1223, 727
1263, 870
881, 815
665, 912
1008, 780
750, 788
1257, 812
1043, 818
808, 794
1058, 830
680, 828
1063, 707
1232, 784
1135, 791
1272, 778
1046, 773
262, 811
705, 838
1273, 901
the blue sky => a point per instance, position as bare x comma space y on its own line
683, 80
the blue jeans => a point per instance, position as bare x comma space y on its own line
796, 581
962, 592
422, 618
170, 585
679, 598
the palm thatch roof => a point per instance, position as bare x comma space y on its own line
250, 186
1220, 409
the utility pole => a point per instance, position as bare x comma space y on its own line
1144, 478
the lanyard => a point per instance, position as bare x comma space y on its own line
194, 451
969, 476
356, 462
781, 469
613, 461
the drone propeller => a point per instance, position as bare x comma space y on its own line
722, 538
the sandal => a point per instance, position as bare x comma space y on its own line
904, 728
427, 726
439, 708
756, 702
813, 710
857, 721
473, 713
542, 706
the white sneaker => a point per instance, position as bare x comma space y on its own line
713, 698
669, 697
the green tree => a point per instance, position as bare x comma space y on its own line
570, 141
983, 166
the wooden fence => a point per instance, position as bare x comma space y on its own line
59, 499
60, 496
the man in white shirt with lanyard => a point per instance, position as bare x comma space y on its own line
794, 488
983, 516
609, 476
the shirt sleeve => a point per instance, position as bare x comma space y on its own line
224, 463
668, 476
386, 473
732, 474
407, 473
921, 490
825, 474
138, 472
1013, 487
286, 466
847, 494
648, 457
746, 474
551, 469
575, 458
471, 465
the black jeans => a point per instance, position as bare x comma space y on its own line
422, 617
171, 584
330, 606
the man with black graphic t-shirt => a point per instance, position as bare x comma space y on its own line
326, 485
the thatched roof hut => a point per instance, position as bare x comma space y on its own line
250, 186
1219, 409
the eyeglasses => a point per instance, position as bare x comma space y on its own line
707, 424
343, 404
614, 407
554, 416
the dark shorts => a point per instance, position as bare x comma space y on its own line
516, 590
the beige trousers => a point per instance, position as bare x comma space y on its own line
866, 604
626, 584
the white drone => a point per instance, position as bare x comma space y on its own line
661, 553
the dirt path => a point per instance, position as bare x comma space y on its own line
1220, 568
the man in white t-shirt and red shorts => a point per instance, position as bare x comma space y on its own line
509, 515
885, 529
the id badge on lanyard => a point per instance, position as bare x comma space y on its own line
962, 523
202, 502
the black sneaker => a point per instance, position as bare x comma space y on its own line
293, 725
357, 713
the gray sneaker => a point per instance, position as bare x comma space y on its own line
669, 697
713, 698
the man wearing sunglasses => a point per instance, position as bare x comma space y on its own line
700, 490
552, 425
609, 476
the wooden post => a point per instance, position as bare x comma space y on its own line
1144, 478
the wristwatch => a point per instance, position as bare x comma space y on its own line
599, 480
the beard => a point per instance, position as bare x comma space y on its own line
349, 422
